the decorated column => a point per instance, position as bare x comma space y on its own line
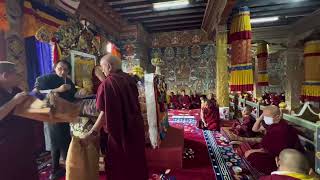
222, 73
241, 63
311, 84
262, 57
15, 50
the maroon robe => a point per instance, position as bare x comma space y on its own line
195, 102
245, 129
174, 102
279, 136
277, 177
17, 146
95, 81
117, 97
211, 116
185, 102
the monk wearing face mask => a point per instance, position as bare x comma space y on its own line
279, 135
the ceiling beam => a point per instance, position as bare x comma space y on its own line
284, 7
173, 23
174, 29
255, 3
173, 20
227, 11
176, 26
284, 12
166, 14
150, 10
127, 3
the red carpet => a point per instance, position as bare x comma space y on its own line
198, 167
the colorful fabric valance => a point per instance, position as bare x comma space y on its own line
4, 24
262, 56
311, 85
241, 70
37, 15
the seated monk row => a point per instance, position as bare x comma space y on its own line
279, 136
184, 101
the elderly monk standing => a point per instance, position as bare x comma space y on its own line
279, 136
292, 165
17, 156
117, 99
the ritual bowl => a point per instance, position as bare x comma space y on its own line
236, 169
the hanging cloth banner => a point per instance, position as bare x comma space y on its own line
262, 56
241, 77
311, 85
37, 15
4, 24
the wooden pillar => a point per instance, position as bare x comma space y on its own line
293, 76
222, 74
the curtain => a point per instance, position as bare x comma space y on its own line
39, 59
39, 62
45, 57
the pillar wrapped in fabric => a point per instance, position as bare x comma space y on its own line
241, 78
262, 56
311, 85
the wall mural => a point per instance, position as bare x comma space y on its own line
189, 60
276, 73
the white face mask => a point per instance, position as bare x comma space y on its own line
268, 120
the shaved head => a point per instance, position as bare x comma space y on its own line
273, 112
293, 161
110, 63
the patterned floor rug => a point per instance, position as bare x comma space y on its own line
225, 161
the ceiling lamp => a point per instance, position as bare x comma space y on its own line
264, 20
170, 5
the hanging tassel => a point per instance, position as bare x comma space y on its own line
56, 51
4, 24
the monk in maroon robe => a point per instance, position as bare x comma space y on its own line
244, 127
292, 165
210, 118
185, 101
17, 146
117, 99
195, 101
279, 136
174, 101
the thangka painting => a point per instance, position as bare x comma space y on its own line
82, 67
190, 67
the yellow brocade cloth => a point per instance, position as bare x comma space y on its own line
295, 175
82, 161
